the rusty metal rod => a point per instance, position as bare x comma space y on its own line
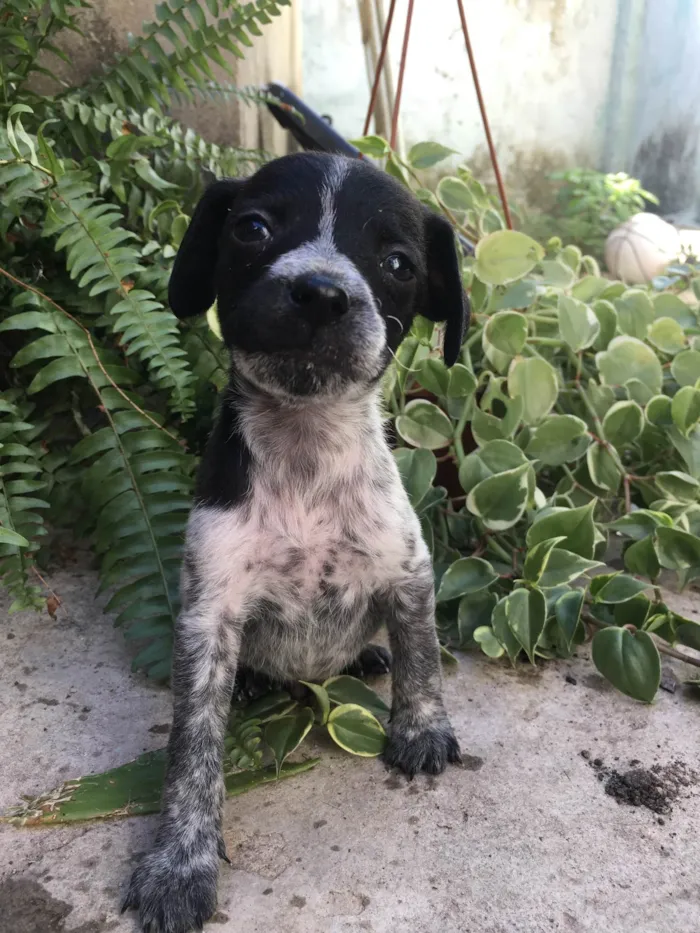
380, 65
484, 118
402, 69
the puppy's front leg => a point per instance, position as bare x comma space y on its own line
421, 736
174, 886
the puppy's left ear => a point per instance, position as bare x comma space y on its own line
192, 289
447, 300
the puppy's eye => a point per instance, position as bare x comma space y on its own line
399, 266
251, 229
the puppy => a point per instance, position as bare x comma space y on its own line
302, 541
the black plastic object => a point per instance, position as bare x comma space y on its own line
309, 129
314, 133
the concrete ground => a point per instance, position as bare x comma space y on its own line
523, 838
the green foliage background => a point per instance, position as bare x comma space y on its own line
570, 422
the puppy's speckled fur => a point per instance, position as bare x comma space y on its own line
302, 541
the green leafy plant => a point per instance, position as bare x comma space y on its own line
568, 432
260, 738
588, 205
105, 398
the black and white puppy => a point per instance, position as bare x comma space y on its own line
302, 541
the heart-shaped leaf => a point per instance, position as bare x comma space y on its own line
630, 661
578, 324
462, 382
567, 611
427, 154
641, 558
678, 485
501, 500
640, 523
565, 567
635, 312
455, 195
685, 409
603, 467
556, 273
505, 256
537, 557
466, 575
286, 733
433, 375
487, 641
322, 699
535, 382
507, 332
417, 469
503, 631
346, 689
629, 358
491, 459
424, 425
616, 588
519, 295
658, 411
666, 335
677, 550
623, 423
374, 146
685, 368
526, 612
607, 318
576, 525
474, 611
356, 730
559, 439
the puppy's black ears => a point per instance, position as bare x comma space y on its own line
192, 288
447, 300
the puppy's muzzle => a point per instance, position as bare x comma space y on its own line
318, 300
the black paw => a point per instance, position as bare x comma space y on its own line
374, 660
174, 893
429, 749
250, 684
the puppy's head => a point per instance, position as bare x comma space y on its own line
319, 264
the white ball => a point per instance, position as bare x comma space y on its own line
641, 248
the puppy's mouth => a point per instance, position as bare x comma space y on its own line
310, 337
310, 372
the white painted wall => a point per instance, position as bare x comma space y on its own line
544, 67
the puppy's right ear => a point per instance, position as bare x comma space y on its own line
192, 288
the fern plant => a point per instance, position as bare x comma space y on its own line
99, 382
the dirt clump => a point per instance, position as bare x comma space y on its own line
655, 788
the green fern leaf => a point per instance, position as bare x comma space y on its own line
19, 526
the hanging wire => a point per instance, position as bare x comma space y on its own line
484, 118
399, 89
380, 65
402, 70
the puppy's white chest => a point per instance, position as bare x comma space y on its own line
291, 551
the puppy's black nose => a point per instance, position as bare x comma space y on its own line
318, 298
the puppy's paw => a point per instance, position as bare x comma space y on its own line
412, 749
374, 660
174, 892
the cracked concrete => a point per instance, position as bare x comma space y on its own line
523, 839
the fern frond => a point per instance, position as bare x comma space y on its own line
20, 522
144, 75
101, 256
137, 484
